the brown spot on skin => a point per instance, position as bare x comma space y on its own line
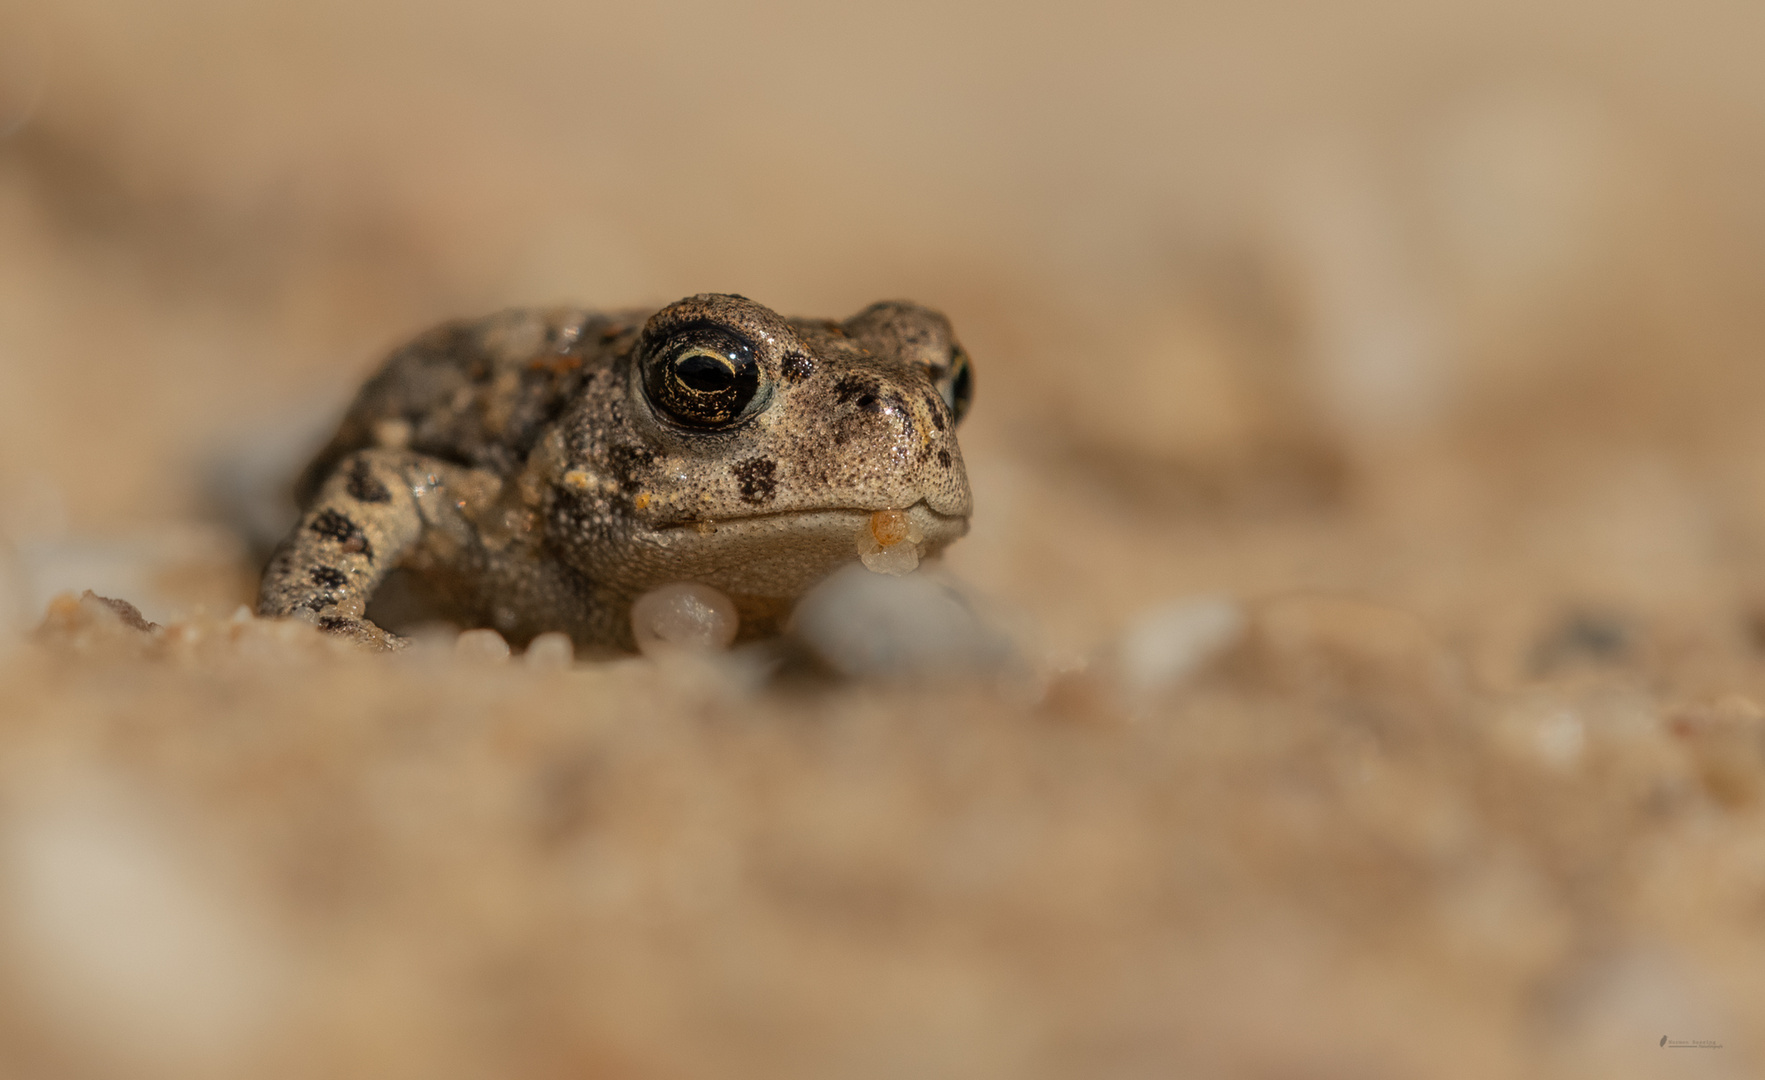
758, 480
334, 526
935, 409
796, 367
853, 387
336, 624
944, 458
329, 577
364, 486
561, 364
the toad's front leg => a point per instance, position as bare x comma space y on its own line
364, 519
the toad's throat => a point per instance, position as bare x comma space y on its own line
780, 554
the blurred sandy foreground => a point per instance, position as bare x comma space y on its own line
1366, 457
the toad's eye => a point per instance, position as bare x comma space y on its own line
957, 384
704, 377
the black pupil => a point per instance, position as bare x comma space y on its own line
706, 374
961, 390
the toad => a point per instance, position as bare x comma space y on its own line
538, 470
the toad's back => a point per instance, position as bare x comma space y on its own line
478, 393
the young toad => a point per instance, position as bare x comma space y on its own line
539, 470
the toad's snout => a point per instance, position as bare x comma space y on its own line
905, 438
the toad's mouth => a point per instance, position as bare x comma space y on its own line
938, 528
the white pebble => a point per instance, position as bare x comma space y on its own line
1560, 739
1549, 732
1171, 643
865, 624
895, 561
485, 644
550, 652
888, 543
683, 615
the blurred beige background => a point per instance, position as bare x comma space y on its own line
1450, 309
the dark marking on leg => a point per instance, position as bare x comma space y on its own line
334, 526
758, 479
336, 624
364, 486
329, 577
